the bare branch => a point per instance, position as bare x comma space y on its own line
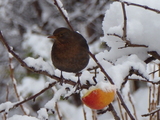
84, 112
131, 101
32, 97
120, 108
7, 94
57, 109
151, 113
124, 38
65, 18
142, 6
94, 115
14, 83
152, 82
154, 54
128, 44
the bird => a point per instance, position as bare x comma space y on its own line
70, 51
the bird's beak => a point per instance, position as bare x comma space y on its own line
52, 36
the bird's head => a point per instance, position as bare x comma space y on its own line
61, 35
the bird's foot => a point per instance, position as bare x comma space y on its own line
61, 79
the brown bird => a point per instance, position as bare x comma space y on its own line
70, 50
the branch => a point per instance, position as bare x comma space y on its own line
154, 54
62, 13
32, 97
14, 82
152, 82
151, 113
142, 6
128, 44
124, 38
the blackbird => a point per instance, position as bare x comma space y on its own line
70, 50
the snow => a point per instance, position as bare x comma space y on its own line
10, 55
6, 106
75, 112
86, 75
22, 117
105, 86
39, 64
28, 81
39, 44
60, 4
143, 28
42, 114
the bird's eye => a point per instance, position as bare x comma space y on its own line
60, 35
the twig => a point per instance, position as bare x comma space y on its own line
94, 115
151, 113
149, 101
133, 45
154, 54
5, 116
84, 112
154, 72
130, 99
116, 117
14, 83
120, 108
32, 97
7, 94
136, 72
57, 109
142, 6
124, 38
128, 44
158, 102
152, 82
66, 19
149, 59
110, 109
